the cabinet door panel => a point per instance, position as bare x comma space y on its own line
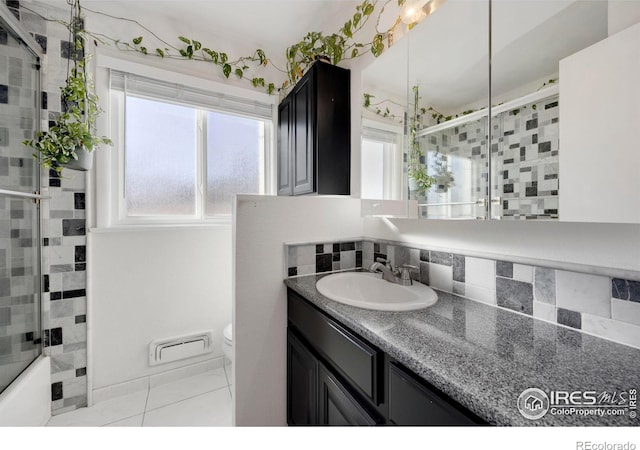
302, 382
304, 135
337, 407
284, 149
353, 357
412, 403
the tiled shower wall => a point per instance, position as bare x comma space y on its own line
63, 226
19, 246
603, 306
524, 148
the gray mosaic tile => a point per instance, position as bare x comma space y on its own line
515, 295
569, 318
545, 285
445, 259
424, 272
504, 269
458, 268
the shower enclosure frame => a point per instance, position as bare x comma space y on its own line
15, 29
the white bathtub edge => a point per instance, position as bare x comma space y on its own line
27, 401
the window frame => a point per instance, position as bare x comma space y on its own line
112, 208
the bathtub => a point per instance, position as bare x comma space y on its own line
27, 401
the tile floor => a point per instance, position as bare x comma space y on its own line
199, 400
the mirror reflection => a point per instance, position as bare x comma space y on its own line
561, 71
529, 39
384, 106
448, 95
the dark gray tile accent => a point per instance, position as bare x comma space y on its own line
319, 248
545, 285
73, 227
293, 271
347, 246
445, 259
56, 391
515, 295
619, 289
81, 372
324, 263
504, 269
569, 318
458, 268
55, 336
634, 290
424, 255
424, 272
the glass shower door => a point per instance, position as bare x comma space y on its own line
20, 273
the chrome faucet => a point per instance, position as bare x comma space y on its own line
393, 274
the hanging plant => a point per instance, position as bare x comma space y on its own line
74, 130
417, 167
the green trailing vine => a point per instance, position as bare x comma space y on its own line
335, 47
376, 108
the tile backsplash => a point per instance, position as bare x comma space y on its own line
599, 305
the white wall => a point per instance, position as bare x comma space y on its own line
154, 283
622, 14
262, 226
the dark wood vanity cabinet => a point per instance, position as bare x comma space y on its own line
335, 377
314, 134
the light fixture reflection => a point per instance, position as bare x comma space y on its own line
413, 11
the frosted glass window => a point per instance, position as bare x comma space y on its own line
160, 158
234, 163
185, 163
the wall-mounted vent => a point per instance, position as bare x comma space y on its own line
166, 350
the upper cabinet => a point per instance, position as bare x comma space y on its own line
600, 114
314, 134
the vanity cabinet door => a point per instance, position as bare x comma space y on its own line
412, 402
337, 407
302, 383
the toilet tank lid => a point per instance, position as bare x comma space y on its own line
227, 332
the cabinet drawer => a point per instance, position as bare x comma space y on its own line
349, 355
337, 407
412, 402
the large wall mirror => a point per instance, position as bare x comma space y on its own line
558, 143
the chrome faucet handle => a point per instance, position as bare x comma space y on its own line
387, 263
405, 274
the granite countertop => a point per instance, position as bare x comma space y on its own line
484, 357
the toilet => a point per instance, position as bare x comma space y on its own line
227, 342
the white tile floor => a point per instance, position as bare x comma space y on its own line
199, 400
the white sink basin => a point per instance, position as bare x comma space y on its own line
369, 290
